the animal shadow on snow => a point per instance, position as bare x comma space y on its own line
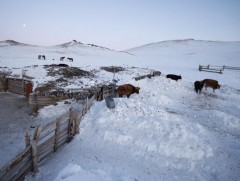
208, 94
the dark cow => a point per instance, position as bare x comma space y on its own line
44, 57
198, 85
62, 58
39, 57
127, 89
174, 77
70, 59
211, 83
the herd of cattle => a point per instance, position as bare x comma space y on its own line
40, 57
128, 89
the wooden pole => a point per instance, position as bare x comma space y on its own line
76, 123
70, 126
56, 135
27, 139
36, 134
34, 156
34, 149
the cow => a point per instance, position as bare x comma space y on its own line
211, 83
39, 57
62, 58
198, 85
127, 89
174, 77
70, 59
44, 57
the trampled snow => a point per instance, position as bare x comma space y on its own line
167, 132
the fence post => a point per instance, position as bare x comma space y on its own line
35, 104
70, 126
56, 135
34, 156
87, 104
27, 139
34, 149
76, 123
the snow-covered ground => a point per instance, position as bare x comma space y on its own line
167, 132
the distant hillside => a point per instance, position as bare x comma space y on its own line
185, 43
75, 43
11, 43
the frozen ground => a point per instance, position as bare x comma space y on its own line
165, 133
15, 120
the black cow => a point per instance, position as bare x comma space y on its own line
62, 58
70, 59
174, 77
44, 57
198, 85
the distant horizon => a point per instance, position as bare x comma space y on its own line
185, 39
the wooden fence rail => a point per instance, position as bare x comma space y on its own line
216, 69
46, 140
212, 69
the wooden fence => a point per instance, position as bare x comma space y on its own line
3, 83
46, 140
36, 102
216, 69
15, 85
213, 69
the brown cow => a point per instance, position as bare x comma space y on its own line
211, 83
127, 89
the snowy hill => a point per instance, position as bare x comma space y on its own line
12, 43
71, 44
167, 132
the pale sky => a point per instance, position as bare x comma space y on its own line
118, 24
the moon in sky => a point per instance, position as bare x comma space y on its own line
24, 25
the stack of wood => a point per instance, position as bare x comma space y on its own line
153, 74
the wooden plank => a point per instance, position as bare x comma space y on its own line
16, 167
57, 133
76, 123
27, 171
63, 131
16, 160
47, 143
63, 142
45, 155
70, 125
27, 166
49, 148
62, 138
220, 72
52, 123
51, 128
